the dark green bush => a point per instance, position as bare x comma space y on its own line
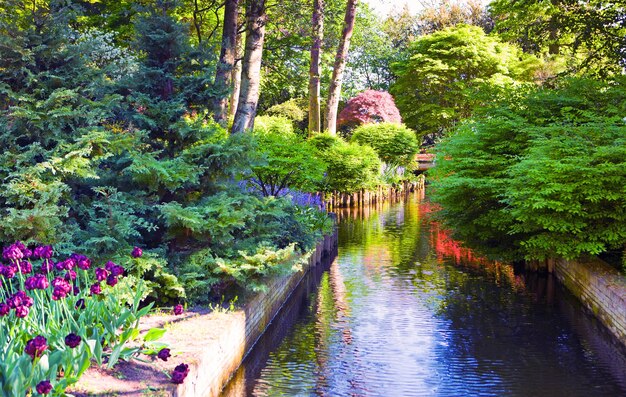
541, 176
395, 144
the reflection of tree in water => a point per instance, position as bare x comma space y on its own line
508, 322
485, 330
452, 251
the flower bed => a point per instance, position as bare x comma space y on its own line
212, 344
57, 316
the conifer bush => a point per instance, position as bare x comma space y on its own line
108, 144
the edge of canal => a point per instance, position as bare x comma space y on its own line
213, 344
221, 358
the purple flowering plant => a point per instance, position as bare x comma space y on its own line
57, 315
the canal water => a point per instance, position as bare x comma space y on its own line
403, 310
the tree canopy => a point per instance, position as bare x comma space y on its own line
442, 79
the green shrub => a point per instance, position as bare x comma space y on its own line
236, 223
351, 167
541, 176
273, 125
293, 109
324, 142
288, 162
395, 144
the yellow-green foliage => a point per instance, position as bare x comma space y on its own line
292, 109
273, 125
394, 143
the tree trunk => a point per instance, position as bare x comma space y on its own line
315, 122
223, 75
340, 65
234, 96
251, 68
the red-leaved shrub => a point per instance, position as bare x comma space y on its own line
369, 107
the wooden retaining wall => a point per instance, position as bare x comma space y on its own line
364, 198
600, 287
222, 357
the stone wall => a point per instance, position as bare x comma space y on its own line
600, 287
220, 359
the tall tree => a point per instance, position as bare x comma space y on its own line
228, 54
447, 74
236, 77
446, 13
589, 35
256, 18
315, 122
339, 67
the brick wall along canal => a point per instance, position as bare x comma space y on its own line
403, 311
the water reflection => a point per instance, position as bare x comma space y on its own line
406, 311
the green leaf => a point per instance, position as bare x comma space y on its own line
154, 334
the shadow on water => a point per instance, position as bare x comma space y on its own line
300, 304
404, 310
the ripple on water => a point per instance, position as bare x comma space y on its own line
395, 316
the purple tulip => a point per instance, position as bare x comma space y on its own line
70, 275
27, 252
164, 354
43, 252
9, 271
4, 309
180, 373
82, 262
36, 346
67, 264
101, 274
117, 270
95, 289
61, 288
27, 300
21, 311
30, 282
110, 265
137, 252
13, 252
20, 299
111, 280
26, 267
182, 368
178, 309
38, 281
42, 281
80, 304
72, 340
44, 387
